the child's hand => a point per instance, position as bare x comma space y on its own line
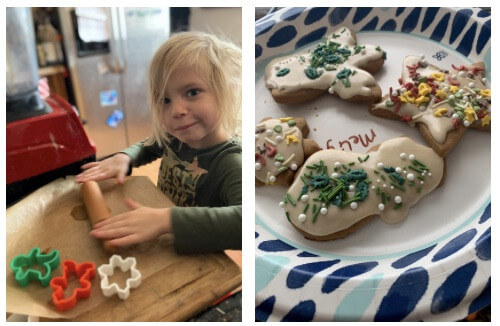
114, 166
138, 225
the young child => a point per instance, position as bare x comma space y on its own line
195, 98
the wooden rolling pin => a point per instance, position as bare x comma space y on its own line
96, 207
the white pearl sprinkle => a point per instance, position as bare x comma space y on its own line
354, 205
451, 97
277, 164
380, 165
258, 166
462, 74
410, 176
282, 204
323, 211
392, 187
402, 156
422, 56
304, 198
351, 188
337, 164
484, 80
421, 182
302, 218
272, 178
423, 174
423, 61
256, 136
398, 199
429, 174
403, 90
454, 77
465, 98
472, 84
378, 180
446, 88
269, 132
395, 93
293, 166
381, 207
373, 187
412, 157
335, 175
454, 116
384, 185
399, 170
331, 90
278, 138
466, 123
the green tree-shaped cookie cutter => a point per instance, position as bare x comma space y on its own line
49, 261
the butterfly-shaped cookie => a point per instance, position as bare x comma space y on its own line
337, 65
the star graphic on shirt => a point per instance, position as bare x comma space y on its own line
194, 167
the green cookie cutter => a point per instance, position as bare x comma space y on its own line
49, 261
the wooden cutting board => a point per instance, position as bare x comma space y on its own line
174, 287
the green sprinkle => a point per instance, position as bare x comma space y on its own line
290, 199
302, 59
411, 183
419, 177
311, 167
288, 216
278, 129
345, 167
419, 189
398, 205
360, 159
282, 72
421, 164
377, 190
415, 168
351, 200
284, 199
366, 158
352, 163
395, 185
304, 180
383, 177
292, 123
376, 172
389, 103
305, 208
282, 169
383, 197
279, 158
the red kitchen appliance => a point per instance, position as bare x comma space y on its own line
45, 138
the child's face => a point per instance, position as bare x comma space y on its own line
191, 110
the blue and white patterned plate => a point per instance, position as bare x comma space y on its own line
433, 266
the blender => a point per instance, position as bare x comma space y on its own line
45, 138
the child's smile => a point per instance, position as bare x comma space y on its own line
191, 110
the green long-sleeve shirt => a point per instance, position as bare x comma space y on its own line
205, 185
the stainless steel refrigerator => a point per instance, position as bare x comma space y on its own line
108, 51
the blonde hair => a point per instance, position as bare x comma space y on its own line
217, 61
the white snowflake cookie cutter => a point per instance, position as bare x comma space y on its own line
107, 270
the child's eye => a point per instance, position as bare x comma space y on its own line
166, 100
193, 92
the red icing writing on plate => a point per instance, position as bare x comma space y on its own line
365, 140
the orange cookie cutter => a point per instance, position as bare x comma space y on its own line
84, 272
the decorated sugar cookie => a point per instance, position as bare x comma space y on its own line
337, 191
442, 103
338, 65
280, 150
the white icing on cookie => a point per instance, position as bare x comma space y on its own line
288, 73
287, 151
400, 192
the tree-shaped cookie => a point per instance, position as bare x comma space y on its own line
337, 191
337, 65
280, 149
443, 104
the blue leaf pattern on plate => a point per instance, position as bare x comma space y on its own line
483, 245
483, 300
455, 245
311, 37
275, 245
338, 15
486, 214
429, 16
372, 25
440, 29
341, 275
301, 274
459, 22
412, 258
454, 288
399, 11
304, 311
484, 36
465, 45
264, 310
315, 14
389, 25
282, 36
256, 235
403, 295
306, 254
360, 14
411, 21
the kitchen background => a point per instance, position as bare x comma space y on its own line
97, 59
